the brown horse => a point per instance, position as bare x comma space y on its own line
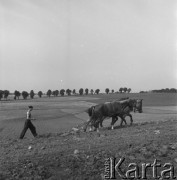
110, 109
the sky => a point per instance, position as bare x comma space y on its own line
55, 44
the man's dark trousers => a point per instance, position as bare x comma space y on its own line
28, 124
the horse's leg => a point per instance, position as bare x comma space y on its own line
101, 122
87, 123
122, 120
96, 126
114, 119
96, 121
92, 127
131, 119
112, 123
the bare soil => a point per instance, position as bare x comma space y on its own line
62, 153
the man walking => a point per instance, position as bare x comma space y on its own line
28, 124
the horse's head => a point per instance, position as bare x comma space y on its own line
92, 120
138, 105
90, 110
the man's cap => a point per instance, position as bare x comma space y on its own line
30, 106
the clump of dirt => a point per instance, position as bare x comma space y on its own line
78, 155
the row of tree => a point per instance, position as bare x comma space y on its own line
4, 94
62, 92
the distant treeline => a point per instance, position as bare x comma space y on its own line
167, 90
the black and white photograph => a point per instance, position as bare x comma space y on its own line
88, 89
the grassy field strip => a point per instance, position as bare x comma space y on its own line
160, 110
170, 108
